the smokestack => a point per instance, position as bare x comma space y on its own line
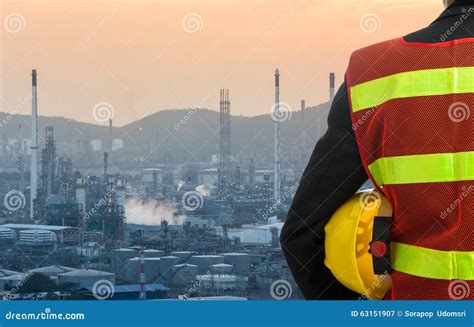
303, 133
34, 144
110, 136
276, 128
106, 155
224, 176
332, 86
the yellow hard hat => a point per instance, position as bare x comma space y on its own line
348, 245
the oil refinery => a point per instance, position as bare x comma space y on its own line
161, 227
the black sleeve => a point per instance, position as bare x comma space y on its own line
333, 175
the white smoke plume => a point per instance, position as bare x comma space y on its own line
204, 189
151, 213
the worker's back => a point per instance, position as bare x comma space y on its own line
411, 107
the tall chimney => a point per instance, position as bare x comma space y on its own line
276, 128
332, 86
110, 136
303, 133
34, 144
106, 155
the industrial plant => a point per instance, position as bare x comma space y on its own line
98, 217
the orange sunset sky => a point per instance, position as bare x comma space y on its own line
144, 56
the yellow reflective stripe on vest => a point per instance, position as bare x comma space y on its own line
435, 264
426, 168
428, 82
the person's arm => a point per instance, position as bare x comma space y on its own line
333, 175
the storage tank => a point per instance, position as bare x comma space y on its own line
221, 268
240, 261
119, 261
152, 253
182, 255
205, 261
151, 268
166, 266
85, 277
184, 273
223, 282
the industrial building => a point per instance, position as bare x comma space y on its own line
129, 292
85, 277
30, 234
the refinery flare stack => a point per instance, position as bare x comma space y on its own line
277, 150
34, 144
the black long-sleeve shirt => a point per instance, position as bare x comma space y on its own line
335, 172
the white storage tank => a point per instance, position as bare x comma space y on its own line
205, 261
119, 261
182, 255
166, 266
222, 282
184, 273
152, 253
240, 261
151, 268
221, 269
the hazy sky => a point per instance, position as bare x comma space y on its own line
145, 56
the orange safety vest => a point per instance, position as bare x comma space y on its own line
412, 107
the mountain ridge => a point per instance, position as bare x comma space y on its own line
184, 134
